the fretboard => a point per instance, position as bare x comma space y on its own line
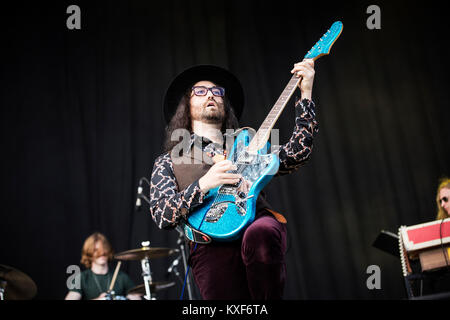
262, 135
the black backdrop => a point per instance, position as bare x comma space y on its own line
82, 122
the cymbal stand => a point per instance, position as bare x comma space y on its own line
2, 289
146, 273
181, 243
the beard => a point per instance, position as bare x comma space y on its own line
211, 114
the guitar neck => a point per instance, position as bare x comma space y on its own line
322, 47
262, 135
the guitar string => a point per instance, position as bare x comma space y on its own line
221, 196
240, 169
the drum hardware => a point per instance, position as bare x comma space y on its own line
2, 289
144, 254
15, 285
146, 273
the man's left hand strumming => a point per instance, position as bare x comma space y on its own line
305, 70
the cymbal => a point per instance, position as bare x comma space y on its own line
145, 252
17, 285
154, 287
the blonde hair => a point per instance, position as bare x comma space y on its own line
444, 183
88, 253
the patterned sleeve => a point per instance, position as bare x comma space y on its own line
297, 150
167, 203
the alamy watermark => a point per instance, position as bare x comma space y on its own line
374, 20
374, 280
183, 147
74, 278
74, 20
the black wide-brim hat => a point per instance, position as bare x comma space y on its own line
220, 76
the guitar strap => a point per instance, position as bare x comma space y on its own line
195, 235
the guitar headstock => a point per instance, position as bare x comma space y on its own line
323, 46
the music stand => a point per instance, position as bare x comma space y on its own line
391, 243
388, 242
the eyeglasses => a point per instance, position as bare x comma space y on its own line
203, 91
445, 199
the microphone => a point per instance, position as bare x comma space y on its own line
138, 200
138, 204
141, 196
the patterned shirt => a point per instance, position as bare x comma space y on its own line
167, 202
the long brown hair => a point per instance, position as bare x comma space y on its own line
182, 119
88, 253
444, 183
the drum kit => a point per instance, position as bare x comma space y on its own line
148, 289
15, 285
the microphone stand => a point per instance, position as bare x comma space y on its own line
181, 244
173, 268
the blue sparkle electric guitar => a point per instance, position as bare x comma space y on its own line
228, 209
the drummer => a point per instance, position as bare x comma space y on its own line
96, 280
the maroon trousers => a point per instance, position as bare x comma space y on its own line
252, 267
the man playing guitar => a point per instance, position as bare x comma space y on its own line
205, 101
